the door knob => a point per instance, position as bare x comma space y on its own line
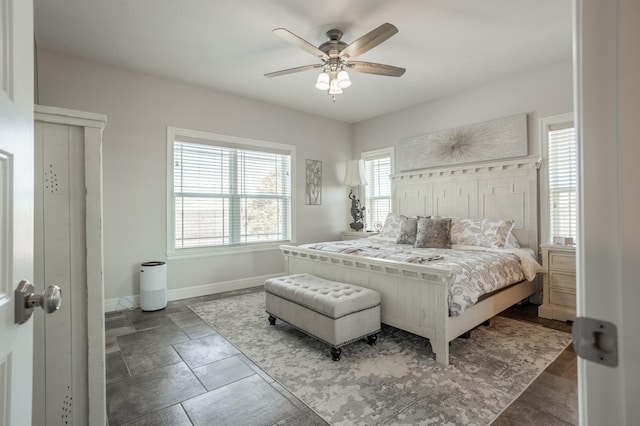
26, 300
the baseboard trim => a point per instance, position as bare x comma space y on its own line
133, 301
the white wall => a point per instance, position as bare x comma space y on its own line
539, 93
139, 108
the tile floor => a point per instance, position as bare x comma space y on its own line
170, 368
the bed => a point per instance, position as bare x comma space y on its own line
415, 296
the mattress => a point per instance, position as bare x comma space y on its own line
474, 271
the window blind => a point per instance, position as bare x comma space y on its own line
226, 195
563, 175
378, 190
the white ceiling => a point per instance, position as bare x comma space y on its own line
447, 46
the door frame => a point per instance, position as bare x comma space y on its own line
93, 125
607, 102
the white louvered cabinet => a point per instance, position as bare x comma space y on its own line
69, 360
559, 282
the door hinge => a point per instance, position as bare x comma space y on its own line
596, 340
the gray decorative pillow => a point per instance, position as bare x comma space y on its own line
408, 230
433, 233
391, 227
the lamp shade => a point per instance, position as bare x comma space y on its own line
355, 175
334, 88
323, 81
343, 79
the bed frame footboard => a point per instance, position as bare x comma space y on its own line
413, 298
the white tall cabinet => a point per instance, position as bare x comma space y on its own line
69, 360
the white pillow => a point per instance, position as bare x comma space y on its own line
504, 232
512, 241
480, 232
391, 227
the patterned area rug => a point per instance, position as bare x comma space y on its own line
396, 381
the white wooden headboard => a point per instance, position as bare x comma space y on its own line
504, 190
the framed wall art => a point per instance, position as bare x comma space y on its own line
313, 188
490, 140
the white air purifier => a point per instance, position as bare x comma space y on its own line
153, 286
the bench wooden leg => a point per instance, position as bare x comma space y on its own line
272, 320
335, 353
372, 339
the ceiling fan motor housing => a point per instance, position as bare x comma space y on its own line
334, 45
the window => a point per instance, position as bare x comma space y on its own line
378, 168
227, 191
562, 172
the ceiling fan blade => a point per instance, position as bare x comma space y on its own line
369, 41
292, 70
301, 43
373, 68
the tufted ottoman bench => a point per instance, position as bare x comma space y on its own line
332, 312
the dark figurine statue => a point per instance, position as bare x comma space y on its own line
357, 212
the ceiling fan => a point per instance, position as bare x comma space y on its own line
336, 57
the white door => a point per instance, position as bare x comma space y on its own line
607, 84
16, 205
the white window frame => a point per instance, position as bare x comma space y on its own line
225, 140
547, 123
372, 155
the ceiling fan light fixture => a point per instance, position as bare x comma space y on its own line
343, 79
334, 88
323, 81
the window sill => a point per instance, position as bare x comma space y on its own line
196, 252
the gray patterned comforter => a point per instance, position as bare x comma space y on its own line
474, 271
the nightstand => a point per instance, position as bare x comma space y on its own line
354, 235
559, 282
